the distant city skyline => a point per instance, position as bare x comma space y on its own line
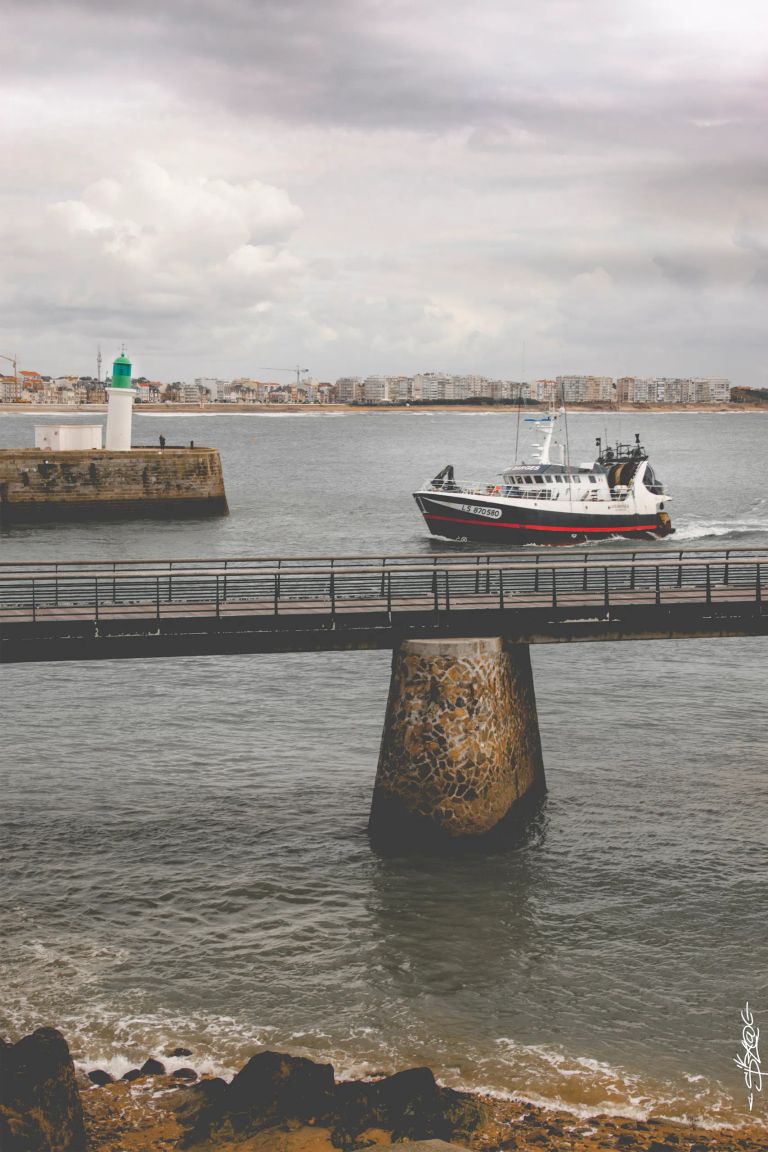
501, 189
427, 387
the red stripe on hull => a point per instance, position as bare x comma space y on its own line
570, 528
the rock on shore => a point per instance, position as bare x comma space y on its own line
274, 1089
40, 1109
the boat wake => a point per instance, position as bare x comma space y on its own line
702, 530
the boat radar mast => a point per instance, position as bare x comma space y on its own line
545, 425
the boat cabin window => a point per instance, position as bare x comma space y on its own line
539, 479
592, 480
528, 479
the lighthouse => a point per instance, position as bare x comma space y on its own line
120, 405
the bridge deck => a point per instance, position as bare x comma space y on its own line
93, 609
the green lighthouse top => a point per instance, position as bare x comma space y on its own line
121, 371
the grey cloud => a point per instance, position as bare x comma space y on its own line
547, 68
468, 175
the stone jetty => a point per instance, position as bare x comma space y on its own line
37, 485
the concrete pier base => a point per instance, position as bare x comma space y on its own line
461, 746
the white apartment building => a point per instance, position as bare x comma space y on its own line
217, 390
625, 389
10, 389
189, 393
544, 391
420, 387
586, 389
349, 389
376, 389
509, 390
713, 389
432, 386
401, 389
572, 389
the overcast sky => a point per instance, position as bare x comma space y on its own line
363, 186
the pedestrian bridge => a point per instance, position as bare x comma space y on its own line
85, 610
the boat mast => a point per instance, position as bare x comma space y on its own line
520, 402
547, 425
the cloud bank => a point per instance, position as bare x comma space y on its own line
386, 187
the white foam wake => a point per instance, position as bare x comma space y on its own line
703, 529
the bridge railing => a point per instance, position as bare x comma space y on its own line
413, 584
461, 557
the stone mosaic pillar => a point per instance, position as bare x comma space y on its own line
461, 739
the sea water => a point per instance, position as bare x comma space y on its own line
183, 843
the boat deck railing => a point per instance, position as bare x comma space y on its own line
528, 491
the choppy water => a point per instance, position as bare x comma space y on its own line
183, 848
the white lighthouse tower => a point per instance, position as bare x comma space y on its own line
120, 406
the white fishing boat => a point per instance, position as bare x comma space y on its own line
552, 501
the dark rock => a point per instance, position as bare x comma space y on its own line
40, 1108
100, 1077
269, 1089
179, 1052
353, 1104
274, 1088
197, 1099
660, 1146
132, 1074
184, 1074
625, 1140
409, 1104
152, 1067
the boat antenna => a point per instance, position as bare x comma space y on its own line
517, 428
567, 445
520, 398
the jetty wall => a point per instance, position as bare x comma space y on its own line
461, 745
37, 484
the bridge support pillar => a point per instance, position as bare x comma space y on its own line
461, 746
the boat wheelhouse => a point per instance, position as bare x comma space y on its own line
617, 494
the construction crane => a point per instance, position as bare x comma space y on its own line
299, 371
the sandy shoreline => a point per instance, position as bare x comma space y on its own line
142, 1117
295, 1104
